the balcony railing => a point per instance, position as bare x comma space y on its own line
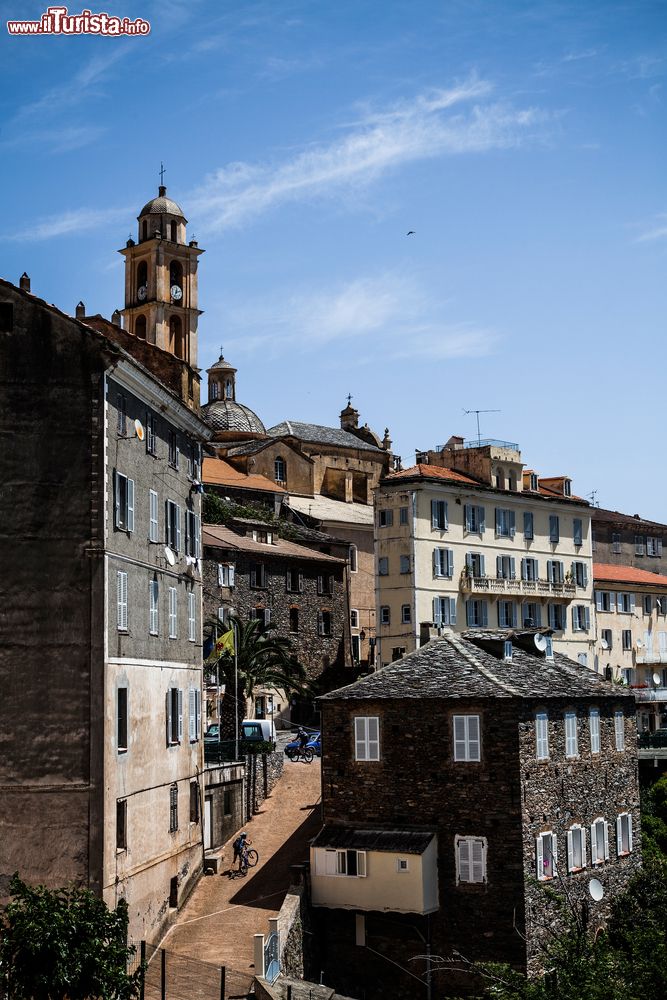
521, 588
652, 740
649, 693
648, 656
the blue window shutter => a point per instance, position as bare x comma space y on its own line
482, 571
450, 562
497, 519
512, 524
512, 568
551, 616
499, 566
587, 615
501, 614
524, 575
467, 515
482, 519
437, 613
452, 611
538, 616
469, 560
575, 619
485, 614
434, 513
585, 577
446, 506
435, 562
469, 613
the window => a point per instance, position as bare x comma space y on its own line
640, 545
123, 502
626, 639
594, 725
571, 743
625, 604
470, 859
406, 614
530, 569
567, 487
648, 604
227, 802
173, 449
443, 563
475, 564
121, 601
581, 618
577, 531
549, 650
444, 611
477, 614
402, 515
193, 461
505, 523
506, 614
173, 808
599, 841
354, 618
173, 522
383, 566
385, 615
580, 574
194, 714
385, 518
173, 613
615, 542
557, 617
366, 738
542, 735
554, 528
507, 651
474, 519
528, 525
294, 619
121, 824
151, 437
153, 526
402, 865
624, 834
324, 623
466, 738
606, 638
354, 559
153, 607
505, 568
653, 546
192, 618
619, 730
661, 605
555, 571
576, 848
226, 572
121, 720
192, 534
174, 716
6, 317
325, 585
257, 576
261, 615
121, 411
531, 615
280, 470
605, 600
346, 862
405, 564
439, 519
546, 856
194, 801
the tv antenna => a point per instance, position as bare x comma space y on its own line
477, 412
593, 497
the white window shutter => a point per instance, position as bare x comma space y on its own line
473, 737
360, 738
464, 861
180, 715
606, 840
629, 831
437, 611
459, 737
584, 854
594, 843
191, 715
130, 505
178, 528
168, 716
197, 713
450, 562
554, 852
598, 600
116, 498
632, 604
221, 575
477, 860
361, 864
539, 856
619, 841
231, 576
612, 602
373, 730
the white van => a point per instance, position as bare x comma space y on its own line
259, 729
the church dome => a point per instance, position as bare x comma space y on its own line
162, 205
228, 415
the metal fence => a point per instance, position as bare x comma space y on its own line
170, 976
224, 751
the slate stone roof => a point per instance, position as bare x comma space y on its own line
629, 520
228, 415
316, 434
453, 667
396, 841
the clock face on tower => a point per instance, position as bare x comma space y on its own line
141, 293
176, 293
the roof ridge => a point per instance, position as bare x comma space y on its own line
490, 676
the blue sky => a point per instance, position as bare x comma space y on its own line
524, 143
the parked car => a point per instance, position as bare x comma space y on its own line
211, 734
314, 742
258, 729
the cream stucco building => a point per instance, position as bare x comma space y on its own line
468, 538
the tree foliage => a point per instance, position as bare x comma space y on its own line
64, 943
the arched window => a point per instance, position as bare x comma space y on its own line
229, 389
173, 231
176, 336
280, 470
175, 274
144, 230
140, 327
213, 390
142, 274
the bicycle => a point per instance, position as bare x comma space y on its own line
302, 753
249, 859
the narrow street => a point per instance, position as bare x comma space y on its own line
219, 920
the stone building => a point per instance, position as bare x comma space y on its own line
628, 540
100, 652
301, 592
459, 783
631, 614
471, 539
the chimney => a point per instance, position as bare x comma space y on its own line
427, 631
24, 282
80, 311
116, 317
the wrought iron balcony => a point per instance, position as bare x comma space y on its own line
517, 588
644, 655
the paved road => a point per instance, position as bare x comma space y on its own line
218, 922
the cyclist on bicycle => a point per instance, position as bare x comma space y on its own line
240, 846
302, 737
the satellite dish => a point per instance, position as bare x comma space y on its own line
596, 889
139, 428
639, 644
604, 644
169, 555
657, 679
540, 642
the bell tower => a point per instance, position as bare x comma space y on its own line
161, 280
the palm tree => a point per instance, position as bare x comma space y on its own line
263, 658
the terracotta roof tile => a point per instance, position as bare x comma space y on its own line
431, 472
607, 573
221, 473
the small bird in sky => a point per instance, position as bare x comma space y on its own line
411, 233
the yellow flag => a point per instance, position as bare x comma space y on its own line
225, 642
